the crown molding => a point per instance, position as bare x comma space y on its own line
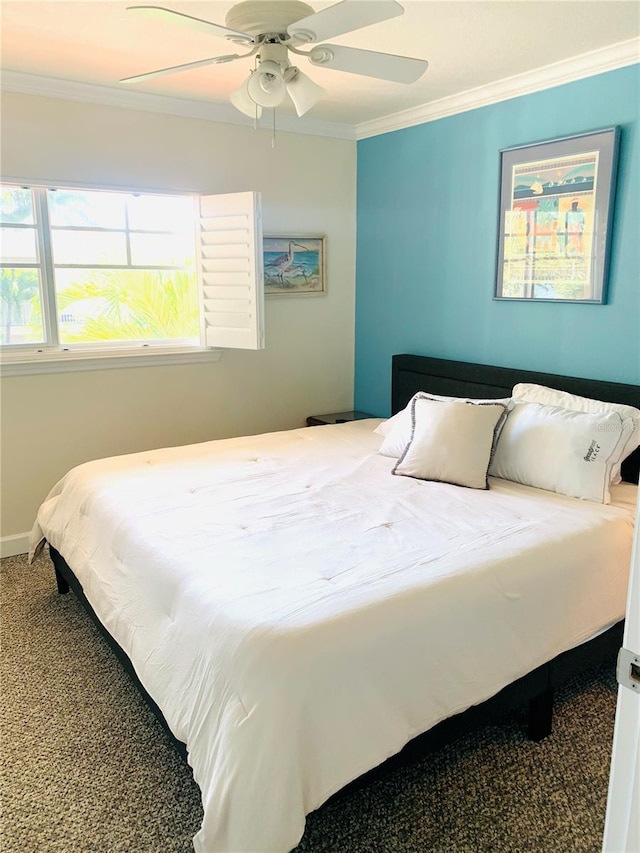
71, 90
568, 70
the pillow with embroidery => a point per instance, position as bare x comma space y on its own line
526, 392
559, 450
397, 429
450, 442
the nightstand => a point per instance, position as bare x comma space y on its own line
337, 418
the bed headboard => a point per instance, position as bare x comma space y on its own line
411, 373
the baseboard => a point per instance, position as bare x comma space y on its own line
11, 546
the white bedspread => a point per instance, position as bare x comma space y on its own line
298, 613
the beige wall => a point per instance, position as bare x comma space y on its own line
51, 422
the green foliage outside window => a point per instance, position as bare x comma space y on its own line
130, 305
19, 305
96, 303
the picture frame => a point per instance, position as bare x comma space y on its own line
555, 220
295, 264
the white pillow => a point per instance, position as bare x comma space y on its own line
397, 430
386, 426
528, 393
450, 442
559, 450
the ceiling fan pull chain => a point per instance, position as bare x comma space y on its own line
273, 137
258, 111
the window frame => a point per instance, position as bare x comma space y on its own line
215, 328
51, 355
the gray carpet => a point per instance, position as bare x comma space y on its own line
86, 767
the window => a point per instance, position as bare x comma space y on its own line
96, 273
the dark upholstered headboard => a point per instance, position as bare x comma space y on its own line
412, 373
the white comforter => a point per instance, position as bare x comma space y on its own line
298, 613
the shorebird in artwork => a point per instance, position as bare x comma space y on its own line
293, 273
282, 263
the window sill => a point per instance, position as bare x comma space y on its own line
23, 364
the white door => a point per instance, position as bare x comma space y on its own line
622, 826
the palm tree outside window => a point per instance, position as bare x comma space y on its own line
90, 268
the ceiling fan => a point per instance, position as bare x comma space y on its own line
274, 28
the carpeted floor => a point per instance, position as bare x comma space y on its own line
86, 767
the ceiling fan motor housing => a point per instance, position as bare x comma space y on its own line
266, 17
274, 53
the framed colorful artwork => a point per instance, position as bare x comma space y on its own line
294, 264
556, 206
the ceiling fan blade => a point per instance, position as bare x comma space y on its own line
384, 66
174, 69
169, 15
343, 18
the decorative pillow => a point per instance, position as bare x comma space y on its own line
559, 450
397, 430
529, 393
386, 426
450, 442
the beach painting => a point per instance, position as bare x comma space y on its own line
294, 265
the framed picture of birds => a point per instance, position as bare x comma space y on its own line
294, 264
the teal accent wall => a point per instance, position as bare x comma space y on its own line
427, 236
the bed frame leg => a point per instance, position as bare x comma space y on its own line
63, 586
541, 715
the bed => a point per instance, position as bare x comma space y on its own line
295, 615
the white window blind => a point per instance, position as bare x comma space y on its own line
231, 270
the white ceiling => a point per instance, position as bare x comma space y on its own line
469, 44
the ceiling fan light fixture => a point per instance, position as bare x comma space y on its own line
302, 90
242, 101
266, 85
